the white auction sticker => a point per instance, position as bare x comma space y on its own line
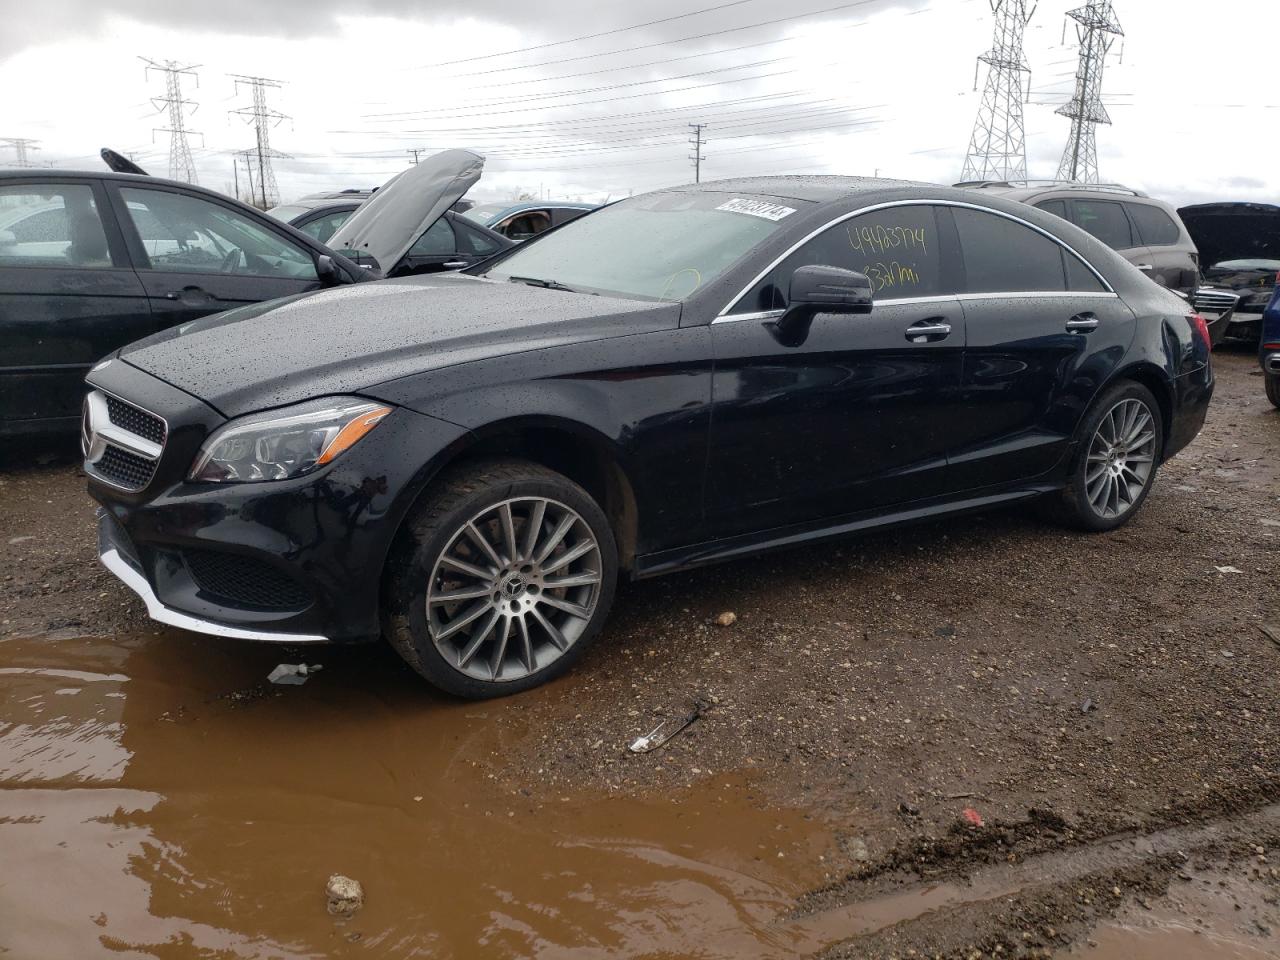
757, 208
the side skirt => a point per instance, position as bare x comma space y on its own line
781, 538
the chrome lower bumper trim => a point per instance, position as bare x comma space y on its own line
1272, 363
136, 582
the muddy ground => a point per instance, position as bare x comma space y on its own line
987, 736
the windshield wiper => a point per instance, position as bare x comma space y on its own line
539, 282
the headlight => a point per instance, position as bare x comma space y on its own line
285, 443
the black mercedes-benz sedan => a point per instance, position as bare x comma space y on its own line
466, 463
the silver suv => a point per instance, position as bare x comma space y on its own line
1146, 232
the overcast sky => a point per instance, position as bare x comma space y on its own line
854, 88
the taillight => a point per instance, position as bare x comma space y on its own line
1201, 326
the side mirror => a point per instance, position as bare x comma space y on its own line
327, 270
820, 289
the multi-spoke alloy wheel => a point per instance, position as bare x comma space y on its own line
1121, 458
499, 579
515, 587
1123, 436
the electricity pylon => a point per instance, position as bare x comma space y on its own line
20, 147
263, 119
1096, 29
998, 147
181, 164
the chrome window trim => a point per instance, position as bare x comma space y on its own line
917, 203
942, 298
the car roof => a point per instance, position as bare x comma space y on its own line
816, 189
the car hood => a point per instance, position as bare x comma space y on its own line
1233, 231
387, 224
351, 339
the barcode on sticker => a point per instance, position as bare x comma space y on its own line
756, 208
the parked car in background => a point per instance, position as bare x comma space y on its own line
465, 463
1239, 244
90, 261
453, 241
1269, 348
521, 221
1145, 231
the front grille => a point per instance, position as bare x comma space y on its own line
138, 422
123, 468
1217, 300
244, 581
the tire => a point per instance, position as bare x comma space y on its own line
1273, 389
483, 621
1110, 481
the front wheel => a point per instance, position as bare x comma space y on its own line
500, 580
1273, 389
1123, 438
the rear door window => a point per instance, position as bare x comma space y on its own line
1156, 227
438, 241
51, 225
1001, 255
1106, 220
898, 248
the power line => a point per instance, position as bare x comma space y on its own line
998, 146
595, 36
181, 164
1096, 29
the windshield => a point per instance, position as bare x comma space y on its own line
482, 213
1247, 265
662, 246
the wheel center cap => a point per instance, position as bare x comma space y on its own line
512, 585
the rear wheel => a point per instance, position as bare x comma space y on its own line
1116, 466
500, 580
1273, 389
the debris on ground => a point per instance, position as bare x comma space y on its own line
293, 674
346, 896
1087, 705
972, 817
1228, 570
727, 619
656, 738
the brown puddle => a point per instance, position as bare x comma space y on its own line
144, 813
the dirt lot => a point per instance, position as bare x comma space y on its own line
982, 737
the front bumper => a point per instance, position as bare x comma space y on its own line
292, 561
117, 555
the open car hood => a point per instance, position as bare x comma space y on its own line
386, 225
1233, 231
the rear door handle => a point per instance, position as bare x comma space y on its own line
192, 294
928, 330
1082, 322
1144, 267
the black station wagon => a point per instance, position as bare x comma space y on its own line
466, 463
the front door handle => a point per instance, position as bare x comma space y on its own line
929, 330
1083, 322
1144, 267
192, 295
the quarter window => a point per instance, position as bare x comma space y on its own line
1001, 255
1057, 207
51, 225
898, 248
185, 234
1155, 226
1106, 220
